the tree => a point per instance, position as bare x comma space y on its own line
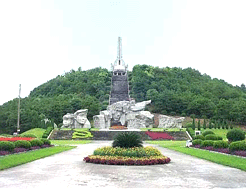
204, 124
199, 125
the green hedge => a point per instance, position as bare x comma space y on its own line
36, 142
212, 137
220, 144
199, 137
47, 132
239, 145
7, 146
22, 144
207, 143
235, 135
46, 141
197, 142
207, 133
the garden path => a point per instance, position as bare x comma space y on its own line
68, 170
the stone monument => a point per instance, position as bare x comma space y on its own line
76, 120
125, 113
119, 82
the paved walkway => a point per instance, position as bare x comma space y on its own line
68, 170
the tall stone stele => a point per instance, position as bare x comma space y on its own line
119, 82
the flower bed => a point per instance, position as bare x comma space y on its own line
119, 160
15, 138
127, 156
19, 150
159, 135
222, 150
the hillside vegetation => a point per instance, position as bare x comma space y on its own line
173, 91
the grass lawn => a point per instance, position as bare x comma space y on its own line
223, 159
37, 131
22, 158
69, 142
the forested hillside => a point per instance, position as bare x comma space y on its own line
173, 91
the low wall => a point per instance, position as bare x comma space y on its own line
109, 135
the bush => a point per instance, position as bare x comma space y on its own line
197, 142
191, 132
47, 132
220, 144
127, 152
207, 133
211, 137
199, 137
81, 134
36, 142
28, 135
219, 138
239, 145
46, 141
207, 143
6, 146
22, 144
127, 140
235, 135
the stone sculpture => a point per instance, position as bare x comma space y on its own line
76, 120
68, 121
126, 113
170, 122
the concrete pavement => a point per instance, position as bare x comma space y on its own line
68, 170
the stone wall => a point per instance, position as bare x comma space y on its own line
109, 135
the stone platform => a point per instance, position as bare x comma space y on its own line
107, 134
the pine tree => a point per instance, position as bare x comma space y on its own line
210, 126
199, 125
193, 124
204, 124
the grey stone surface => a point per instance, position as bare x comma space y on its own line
68, 170
170, 122
76, 120
127, 113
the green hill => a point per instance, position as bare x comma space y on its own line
173, 91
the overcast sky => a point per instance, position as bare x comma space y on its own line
40, 39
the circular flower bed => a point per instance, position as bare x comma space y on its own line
127, 156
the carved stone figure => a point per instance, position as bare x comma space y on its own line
68, 121
76, 120
81, 120
125, 113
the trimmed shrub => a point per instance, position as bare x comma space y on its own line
220, 144
239, 145
199, 137
28, 135
6, 146
211, 137
219, 138
207, 133
46, 141
191, 132
22, 144
36, 142
235, 135
207, 143
127, 140
197, 142
47, 132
